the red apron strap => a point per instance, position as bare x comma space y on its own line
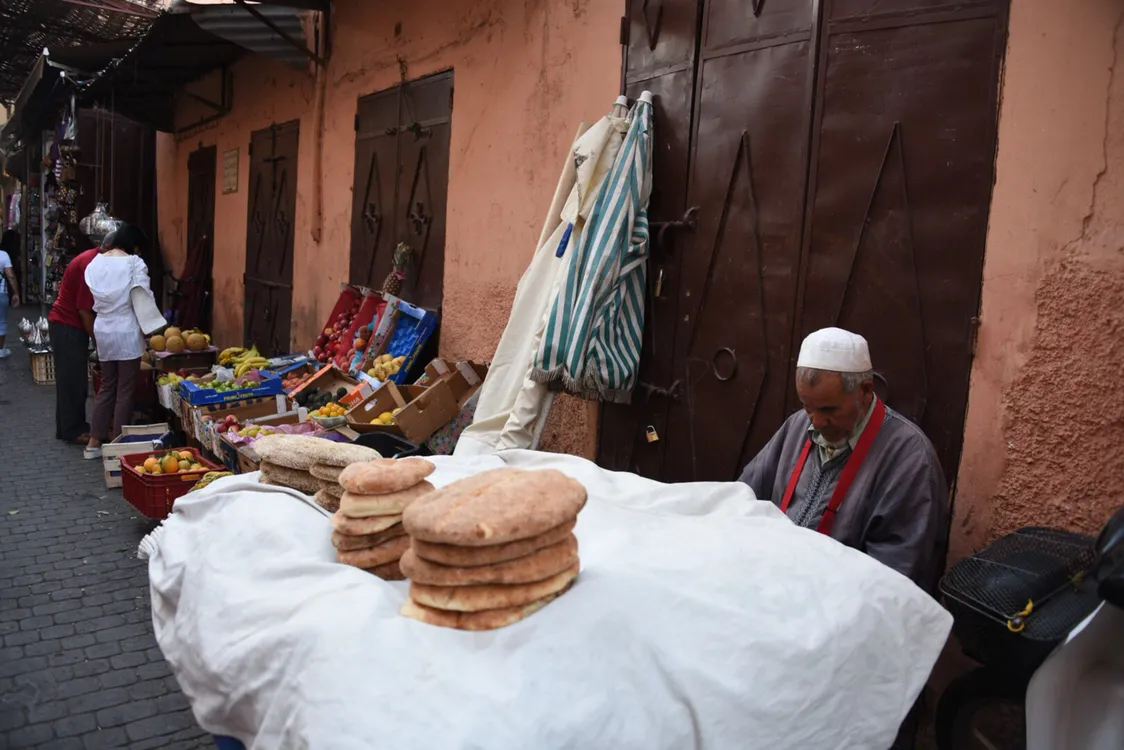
847, 478
854, 463
792, 480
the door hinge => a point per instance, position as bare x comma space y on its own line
624, 31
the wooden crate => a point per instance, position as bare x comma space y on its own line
134, 438
43, 368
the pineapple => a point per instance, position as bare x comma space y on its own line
393, 283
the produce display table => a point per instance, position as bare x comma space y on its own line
701, 618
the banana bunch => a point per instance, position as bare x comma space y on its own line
209, 477
227, 356
243, 367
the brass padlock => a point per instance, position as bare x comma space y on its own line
651, 434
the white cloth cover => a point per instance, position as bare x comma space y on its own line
702, 618
836, 350
510, 404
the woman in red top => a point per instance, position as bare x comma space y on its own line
72, 324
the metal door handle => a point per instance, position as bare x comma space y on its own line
650, 390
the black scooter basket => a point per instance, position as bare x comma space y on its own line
1016, 599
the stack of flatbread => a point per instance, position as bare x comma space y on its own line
367, 527
287, 460
328, 491
492, 549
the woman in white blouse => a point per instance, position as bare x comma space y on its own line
112, 276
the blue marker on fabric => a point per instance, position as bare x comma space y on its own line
565, 241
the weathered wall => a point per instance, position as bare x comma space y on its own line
1045, 396
525, 73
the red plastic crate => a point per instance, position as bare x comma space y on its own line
154, 494
367, 311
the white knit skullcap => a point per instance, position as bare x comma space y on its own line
836, 350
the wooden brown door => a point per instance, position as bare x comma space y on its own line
401, 185
901, 178
201, 226
837, 169
269, 237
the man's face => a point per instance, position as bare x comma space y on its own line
833, 411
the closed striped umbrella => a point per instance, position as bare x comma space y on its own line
595, 328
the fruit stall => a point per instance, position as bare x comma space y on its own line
365, 378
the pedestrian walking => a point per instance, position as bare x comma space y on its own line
71, 322
112, 276
9, 287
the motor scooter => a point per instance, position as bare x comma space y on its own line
1042, 610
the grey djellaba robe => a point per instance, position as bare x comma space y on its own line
895, 510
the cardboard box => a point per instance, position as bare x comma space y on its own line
387, 398
208, 417
185, 360
248, 461
330, 378
424, 409
201, 395
134, 438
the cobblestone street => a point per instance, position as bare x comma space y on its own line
79, 667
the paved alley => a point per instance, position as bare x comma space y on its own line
79, 667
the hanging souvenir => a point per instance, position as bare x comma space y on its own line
99, 224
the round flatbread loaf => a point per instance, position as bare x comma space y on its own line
326, 473
537, 566
487, 620
326, 501
380, 554
361, 526
495, 507
294, 479
385, 475
488, 595
391, 504
345, 454
302, 451
467, 557
388, 571
348, 542
331, 488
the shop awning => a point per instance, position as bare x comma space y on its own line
46, 87
276, 31
142, 83
29, 26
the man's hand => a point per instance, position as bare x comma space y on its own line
15, 300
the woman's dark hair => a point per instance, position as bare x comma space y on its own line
10, 242
128, 238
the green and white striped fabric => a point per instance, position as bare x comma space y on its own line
595, 326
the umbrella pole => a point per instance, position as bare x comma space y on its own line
562, 191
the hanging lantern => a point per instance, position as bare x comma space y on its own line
99, 224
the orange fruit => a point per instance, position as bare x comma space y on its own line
170, 464
151, 463
184, 465
186, 455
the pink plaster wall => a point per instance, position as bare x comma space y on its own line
1045, 411
525, 73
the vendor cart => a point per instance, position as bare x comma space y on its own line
700, 618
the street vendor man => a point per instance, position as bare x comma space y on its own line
851, 467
